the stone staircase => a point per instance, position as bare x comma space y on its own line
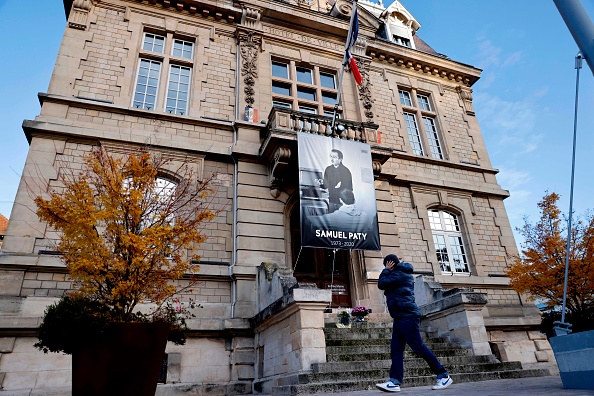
359, 357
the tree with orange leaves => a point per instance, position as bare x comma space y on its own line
124, 234
540, 269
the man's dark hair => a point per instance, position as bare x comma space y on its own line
347, 196
338, 152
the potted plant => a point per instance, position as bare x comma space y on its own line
124, 234
359, 313
344, 319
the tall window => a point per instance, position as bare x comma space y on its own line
449, 242
158, 53
424, 137
303, 87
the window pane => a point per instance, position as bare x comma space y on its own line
281, 89
450, 221
153, 42
307, 94
329, 98
309, 110
434, 220
432, 137
424, 102
280, 70
405, 98
281, 104
458, 254
176, 92
304, 75
183, 49
147, 83
413, 134
442, 253
327, 80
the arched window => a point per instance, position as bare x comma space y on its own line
449, 242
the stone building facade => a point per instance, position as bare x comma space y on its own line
225, 85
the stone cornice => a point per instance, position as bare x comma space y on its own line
422, 63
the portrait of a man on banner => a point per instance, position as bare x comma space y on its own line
337, 194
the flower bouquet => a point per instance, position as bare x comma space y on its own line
359, 313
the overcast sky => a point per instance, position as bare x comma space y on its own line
524, 101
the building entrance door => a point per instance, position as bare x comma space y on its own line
322, 268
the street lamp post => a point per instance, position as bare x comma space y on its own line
562, 327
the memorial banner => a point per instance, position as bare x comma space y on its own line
337, 194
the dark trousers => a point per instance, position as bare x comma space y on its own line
406, 331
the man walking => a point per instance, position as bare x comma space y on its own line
398, 284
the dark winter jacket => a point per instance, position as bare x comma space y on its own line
398, 286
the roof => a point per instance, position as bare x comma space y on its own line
3, 224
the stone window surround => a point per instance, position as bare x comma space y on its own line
166, 59
462, 205
293, 100
419, 114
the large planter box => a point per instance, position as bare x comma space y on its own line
575, 358
126, 363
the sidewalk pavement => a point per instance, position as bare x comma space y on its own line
540, 386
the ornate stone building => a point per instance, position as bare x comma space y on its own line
225, 85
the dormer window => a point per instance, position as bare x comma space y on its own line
401, 41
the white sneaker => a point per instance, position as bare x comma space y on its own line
443, 383
388, 386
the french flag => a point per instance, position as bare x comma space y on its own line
354, 31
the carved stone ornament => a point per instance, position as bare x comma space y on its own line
466, 96
79, 14
305, 3
250, 18
365, 89
249, 46
277, 168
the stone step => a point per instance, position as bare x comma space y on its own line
326, 367
364, 374
357, 385
352, 354
384, 342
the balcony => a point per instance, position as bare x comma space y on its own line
279, 139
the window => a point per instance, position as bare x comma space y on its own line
413, 133
280, 70
425, 138
405, 98
177, 90
183, 49
153, 43
281, 89
448, 242
174, 97
304, 75
423, 102
147, 83
303, 87
401, 41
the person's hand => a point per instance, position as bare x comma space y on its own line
390, 265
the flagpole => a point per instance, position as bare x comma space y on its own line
344, 62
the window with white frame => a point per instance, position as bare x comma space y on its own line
449, 242
424, 136
303, 87
175, 56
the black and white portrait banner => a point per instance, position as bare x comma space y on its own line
337, 194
